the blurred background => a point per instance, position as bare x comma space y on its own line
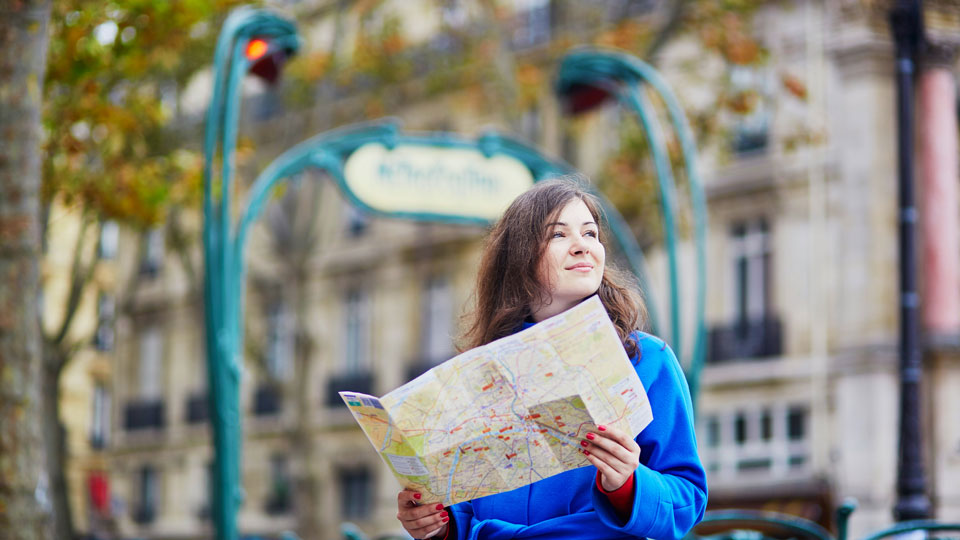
793, 105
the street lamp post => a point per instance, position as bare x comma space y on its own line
258, 41
912, 500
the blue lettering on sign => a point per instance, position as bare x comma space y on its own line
460, 182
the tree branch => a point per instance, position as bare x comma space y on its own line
80, 277
181, 246
667, 30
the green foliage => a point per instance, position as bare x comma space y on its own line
114, 70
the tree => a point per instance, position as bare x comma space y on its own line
23, 46
113, 152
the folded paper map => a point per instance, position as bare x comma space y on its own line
509, 413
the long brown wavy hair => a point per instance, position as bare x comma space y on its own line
507, 284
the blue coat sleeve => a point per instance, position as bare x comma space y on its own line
671, 487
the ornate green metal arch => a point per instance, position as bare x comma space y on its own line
612, 73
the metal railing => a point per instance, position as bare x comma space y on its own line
355, 382
144, 414
747, 339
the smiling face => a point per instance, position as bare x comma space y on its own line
571, 266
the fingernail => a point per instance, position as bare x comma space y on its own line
584, 443
443, 514
446, 519
590, 436
416, 495
440, 506
602, 428
586, 452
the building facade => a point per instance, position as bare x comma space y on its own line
798, 407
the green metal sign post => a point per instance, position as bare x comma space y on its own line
249, 39
489, 171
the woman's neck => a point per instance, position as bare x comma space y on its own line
549, 310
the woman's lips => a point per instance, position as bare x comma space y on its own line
581, 267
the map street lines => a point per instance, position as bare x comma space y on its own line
509, 413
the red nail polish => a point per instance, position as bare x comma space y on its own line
602, 428
586, 452
590, 436
446, 519
440, 506
443, 514
584, 443
416, 495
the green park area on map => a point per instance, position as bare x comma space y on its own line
508, 413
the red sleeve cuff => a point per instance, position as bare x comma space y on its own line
447, 535
621, 498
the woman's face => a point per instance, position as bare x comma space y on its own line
572, 265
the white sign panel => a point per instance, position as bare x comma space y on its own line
455, 182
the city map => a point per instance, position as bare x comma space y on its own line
508, 413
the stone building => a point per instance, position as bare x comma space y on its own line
799, 404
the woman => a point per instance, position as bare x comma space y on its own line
543, 257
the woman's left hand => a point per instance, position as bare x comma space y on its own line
614, 454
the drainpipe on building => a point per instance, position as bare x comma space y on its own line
912, 500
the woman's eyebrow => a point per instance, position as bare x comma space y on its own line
562, 224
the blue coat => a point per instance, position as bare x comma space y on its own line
670, 491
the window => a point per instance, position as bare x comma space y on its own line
752, 331
357, 221
150, 367
568, 147
532, 23
454, 13
280, 336
760, 441
530, 124
278, 501
357, 334
153, 252
103, 339
750, 253
109, 239
145, 511
206, 506
437, 320
356, 492
797, 436
751, 88
100, 419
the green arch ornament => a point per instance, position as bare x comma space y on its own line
492, 167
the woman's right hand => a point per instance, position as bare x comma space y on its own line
421, 521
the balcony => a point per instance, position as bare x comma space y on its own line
267, 400
745, 340
144, 514
143, 414
278, 503
198, 408
355, 382
98, 441
419, 367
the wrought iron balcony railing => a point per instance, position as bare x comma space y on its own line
356, 382
144, 414
745, 340
267, 400
198, 408
144, 514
